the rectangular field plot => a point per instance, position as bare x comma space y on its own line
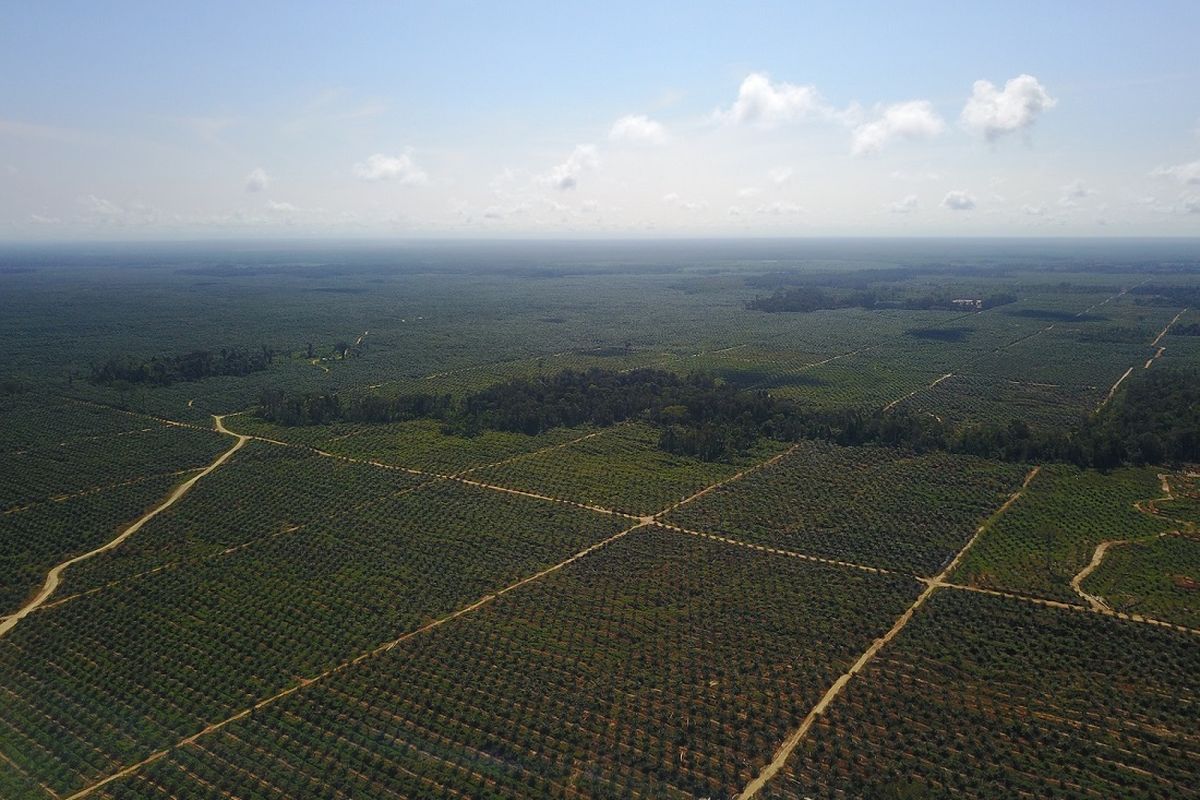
418, 444
35, 538
1050, 533
1063, 359
987, 697
872, 505
36, 420
662, 666
622, 469
862, 380
51, 470
1182, 351
751, 366
976, 399
106, 680
265, 490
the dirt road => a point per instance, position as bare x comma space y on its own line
54, 576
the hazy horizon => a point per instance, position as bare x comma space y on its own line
146, 121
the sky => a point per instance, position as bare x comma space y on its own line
190, 120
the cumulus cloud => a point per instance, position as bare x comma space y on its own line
401, 168
1034, 211
1075, 190
905, 205
257, 180
910, 120
765, 104
1190, 203
995, 112
958, 200
272, 205
565, 176
638, 129
1187, 174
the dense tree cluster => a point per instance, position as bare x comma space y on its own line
193, 366
815, 298
1157, 419
325, 408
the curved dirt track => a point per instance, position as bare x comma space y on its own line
54, 576
1144, 506
1095, 601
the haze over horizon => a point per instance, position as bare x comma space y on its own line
464, 120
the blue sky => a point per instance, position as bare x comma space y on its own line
165, 120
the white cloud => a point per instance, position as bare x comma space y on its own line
993, 112
279, 206
1187, 174
39, 219
765, 104
102, 211
909, 120
257, 180
906, 205
514, 210
958, 200
1191, 203
780, 209
1034, 211
565, 176
401, 168
638, 129
1075, 190
101, 207
747, 191
673, 199
781, 175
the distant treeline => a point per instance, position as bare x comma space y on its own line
815, 298
193, 366
1156, 419
1166, 295
697, 415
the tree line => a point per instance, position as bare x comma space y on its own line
814, 298
1155, 420
193, 366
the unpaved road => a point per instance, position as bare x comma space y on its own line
54, 576
1094, 600
932, 585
